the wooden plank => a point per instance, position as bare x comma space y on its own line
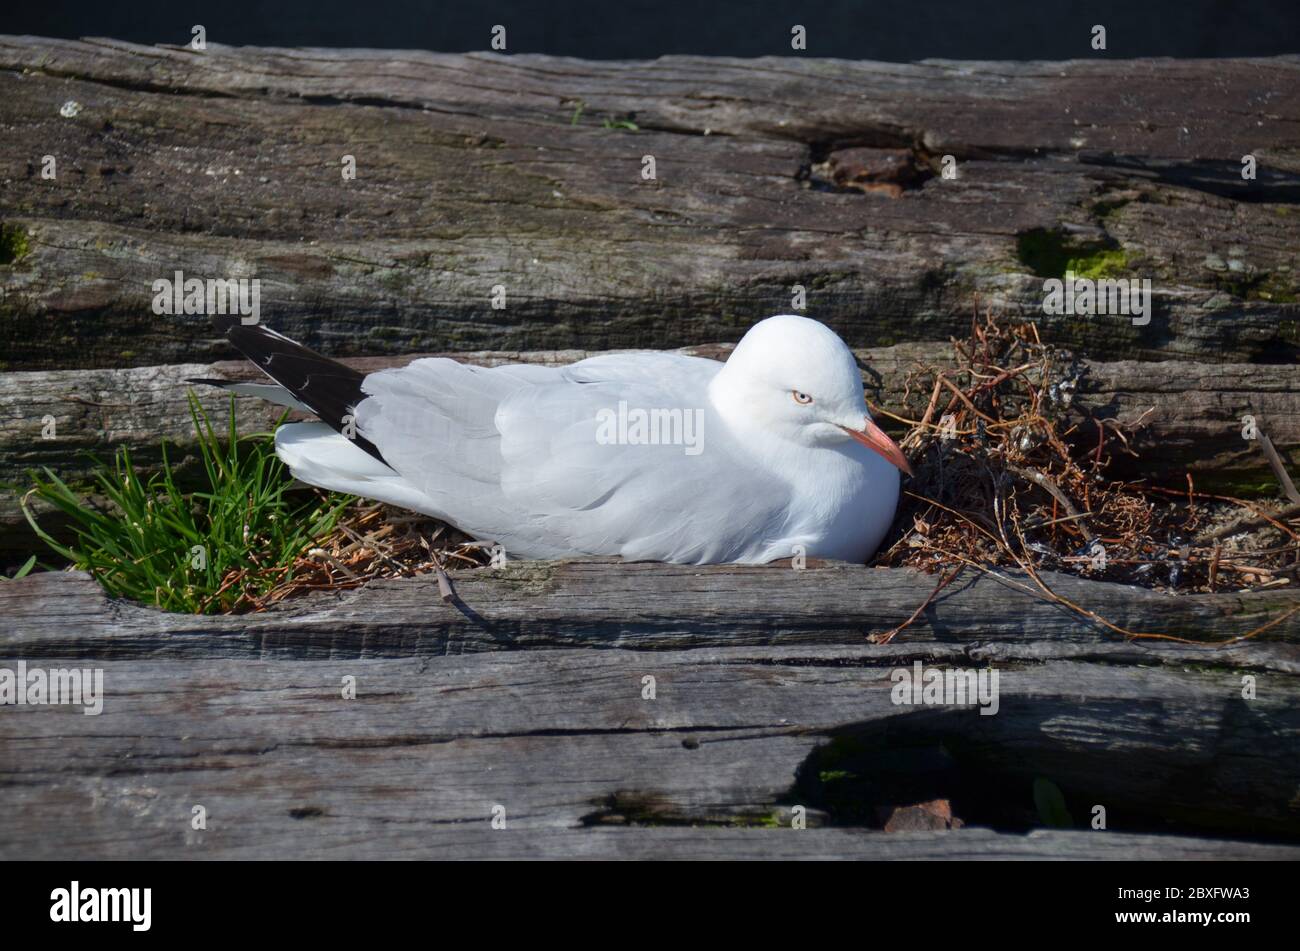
383, 841
1193, 415
529, 695
479, 170
648, 606
562, 738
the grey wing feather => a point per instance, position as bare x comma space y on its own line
271, 392
515, 454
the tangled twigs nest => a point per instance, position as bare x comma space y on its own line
1011, 473
373, 541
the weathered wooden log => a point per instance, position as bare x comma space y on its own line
529, 694
1193, 415
478, 171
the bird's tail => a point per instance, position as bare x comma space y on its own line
304, 379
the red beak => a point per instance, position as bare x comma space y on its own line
874, 438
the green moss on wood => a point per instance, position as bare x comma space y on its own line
1110, 262
1050, 253
14, 243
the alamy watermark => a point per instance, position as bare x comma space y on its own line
192, 295
660, 426
37, 687
74, 904
1089, 297
952, 686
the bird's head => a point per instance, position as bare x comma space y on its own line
794, 378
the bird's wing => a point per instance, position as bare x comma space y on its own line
517, 454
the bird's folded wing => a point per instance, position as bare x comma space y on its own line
544, 459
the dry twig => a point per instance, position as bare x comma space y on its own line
1011, 473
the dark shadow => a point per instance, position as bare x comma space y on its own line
1215, 177
1242, 785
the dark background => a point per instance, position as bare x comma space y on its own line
644, 29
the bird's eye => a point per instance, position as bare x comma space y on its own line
802, 398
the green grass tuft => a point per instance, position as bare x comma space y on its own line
211, 551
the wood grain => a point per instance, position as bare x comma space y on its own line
528, 695
480, 170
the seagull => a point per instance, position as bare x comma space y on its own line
649, 456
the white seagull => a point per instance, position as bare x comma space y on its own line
651, 456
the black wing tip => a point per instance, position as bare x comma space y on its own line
329, 388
